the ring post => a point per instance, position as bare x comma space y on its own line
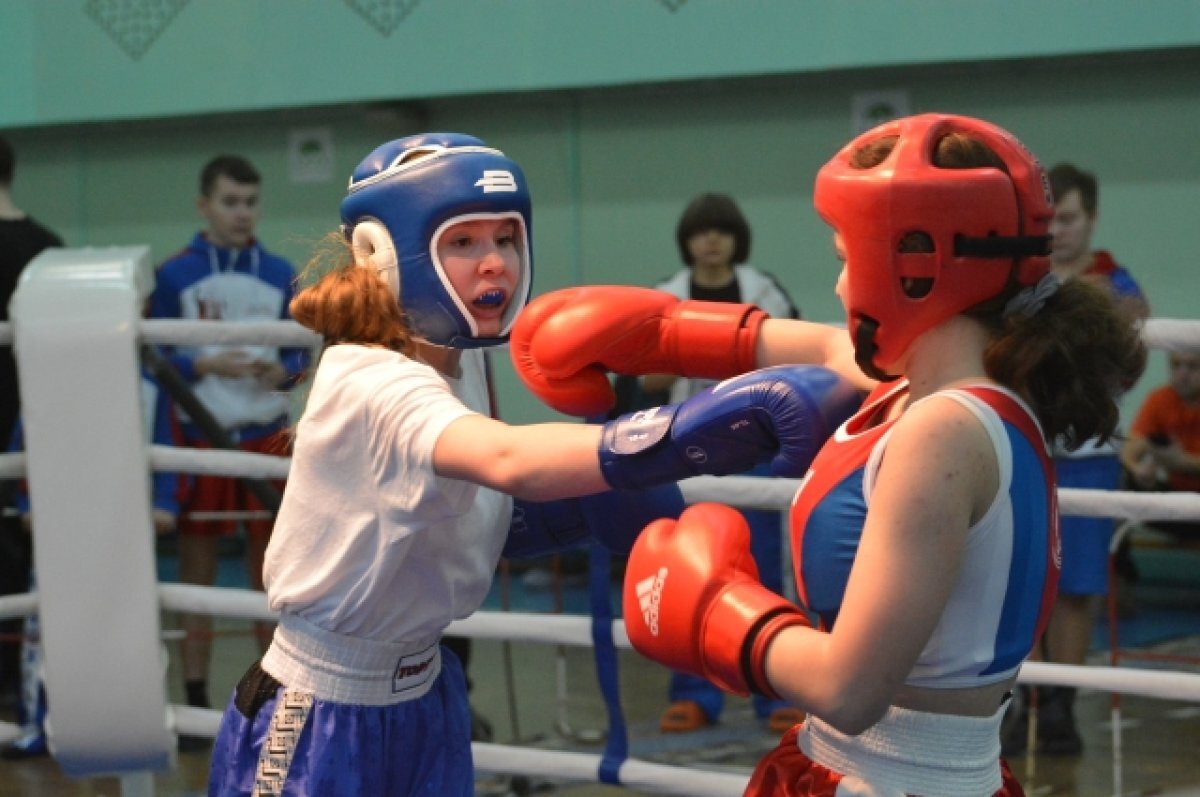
75, 318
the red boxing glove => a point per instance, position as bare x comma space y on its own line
565, 342
693, 601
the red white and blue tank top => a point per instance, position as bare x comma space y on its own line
1009, 576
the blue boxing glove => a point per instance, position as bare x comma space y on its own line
614, 519
782, 415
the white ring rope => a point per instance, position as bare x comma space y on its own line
175, 332
581, 767
751, 492
574, 630
12, 465
213, 462
21, 604
1168, 334
746, 492
548, 764
1172, 334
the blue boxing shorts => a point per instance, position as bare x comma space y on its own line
415, 747
1085, 539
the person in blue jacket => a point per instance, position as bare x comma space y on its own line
225, 274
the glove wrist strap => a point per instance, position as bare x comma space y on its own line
636, 450
737, 632
757, 643
715, 340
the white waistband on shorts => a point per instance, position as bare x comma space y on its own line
348, 669
913, 752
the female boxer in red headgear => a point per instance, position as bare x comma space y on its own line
925, 531
397, 507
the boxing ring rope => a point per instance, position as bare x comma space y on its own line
535, 628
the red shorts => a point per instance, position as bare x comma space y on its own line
787, 772
222, 495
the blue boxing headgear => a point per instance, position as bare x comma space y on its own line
404, 194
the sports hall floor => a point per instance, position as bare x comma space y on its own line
559, 706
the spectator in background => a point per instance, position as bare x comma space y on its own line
1076, 209
713, 237
225, 274
1162, 451
1094, 466
714, 244
21, 239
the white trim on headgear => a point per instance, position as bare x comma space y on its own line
516, 300
406, 160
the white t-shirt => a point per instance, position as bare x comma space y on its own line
370, 542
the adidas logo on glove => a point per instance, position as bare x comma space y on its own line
649, 592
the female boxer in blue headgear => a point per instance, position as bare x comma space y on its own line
925, 533
397, 507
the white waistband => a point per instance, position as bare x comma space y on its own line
913, 752
348, 669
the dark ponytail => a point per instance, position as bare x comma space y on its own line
347, 304
1070, 361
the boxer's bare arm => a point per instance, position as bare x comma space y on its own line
785, 341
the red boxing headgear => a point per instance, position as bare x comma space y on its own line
989, 230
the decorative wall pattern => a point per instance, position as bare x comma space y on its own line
133, 24
383, 15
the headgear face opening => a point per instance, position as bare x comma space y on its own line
989, 230
403, 194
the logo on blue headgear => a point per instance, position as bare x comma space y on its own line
404, 194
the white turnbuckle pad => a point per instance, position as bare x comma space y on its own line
75, 317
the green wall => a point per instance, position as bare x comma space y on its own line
69, 60
611, 160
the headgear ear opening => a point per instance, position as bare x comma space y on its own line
373, 248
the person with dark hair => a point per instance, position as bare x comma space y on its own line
1076, 209
714, 239
234, 167
225, 274
925, 532
1093, 465
398, 505
22, 238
